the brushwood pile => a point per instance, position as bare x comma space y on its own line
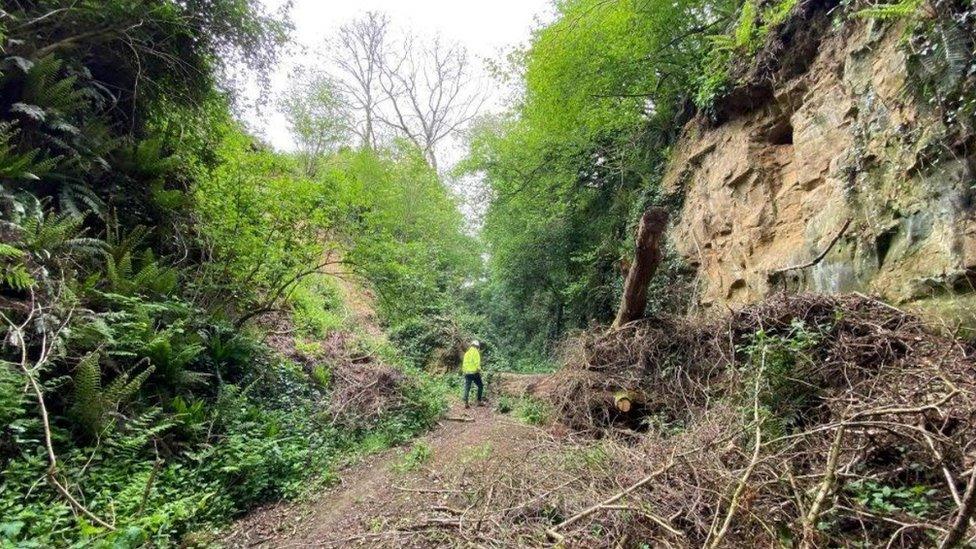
803, 420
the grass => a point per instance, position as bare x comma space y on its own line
531, 411
317, 307
414, 459
480, 452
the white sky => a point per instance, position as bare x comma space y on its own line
486, 29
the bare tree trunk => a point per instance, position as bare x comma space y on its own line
647, 256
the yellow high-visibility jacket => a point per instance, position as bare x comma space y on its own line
472, 362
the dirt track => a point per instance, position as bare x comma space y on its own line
378, 505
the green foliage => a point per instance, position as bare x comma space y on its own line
418, 455
149, 230
131, 272
265, 442
318, 118
317, 306
737, 48
404, 229
895, 10
941, 66
13, 408
264, 225
527, 409
13, 272
787, 389
570, 169
17, 165
322, 375
95, 406
164, 417
913, 500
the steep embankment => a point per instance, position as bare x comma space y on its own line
837, 152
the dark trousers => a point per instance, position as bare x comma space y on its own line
476, 379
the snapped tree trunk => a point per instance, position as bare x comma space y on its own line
647, 256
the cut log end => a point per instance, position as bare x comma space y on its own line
623, 401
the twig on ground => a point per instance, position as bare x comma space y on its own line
830, 474
459, 418
554, 531
961, 523
713, 541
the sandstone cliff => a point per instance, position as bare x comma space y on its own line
832, 152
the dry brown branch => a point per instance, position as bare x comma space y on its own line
48, 342
819, 257
826, 486
878, 399
554, 531
464, 419
960, 524
714, 541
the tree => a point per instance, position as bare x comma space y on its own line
430, 92
359, 51
422, 92
606, 88
318, 118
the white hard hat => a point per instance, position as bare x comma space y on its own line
476, 343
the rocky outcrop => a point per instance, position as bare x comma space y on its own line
842, 172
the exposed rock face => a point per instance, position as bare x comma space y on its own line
845, 140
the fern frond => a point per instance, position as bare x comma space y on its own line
16, 277
889, 12
122, 387
8, 252
74, 195
87, 405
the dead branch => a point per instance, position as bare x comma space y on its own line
826, 486
48, 342
819, 257
715, 540
961, 523
554, 531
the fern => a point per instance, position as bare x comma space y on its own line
16, 277
173, 355
889, 12
16, 165
947, 61
745, 31
87, 405
94, 407
9, 252
151, 278
74, 196
140, 430
13, 272
45, 88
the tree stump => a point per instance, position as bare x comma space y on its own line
647, 257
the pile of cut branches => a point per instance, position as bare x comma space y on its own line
362, 392
805, 420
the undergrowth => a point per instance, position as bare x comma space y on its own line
738, 47
264, 439
526, 408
